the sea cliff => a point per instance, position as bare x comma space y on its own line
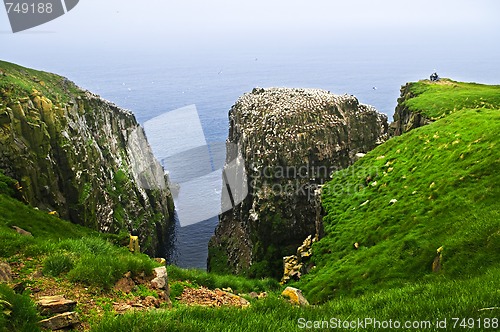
80, 157
291, 140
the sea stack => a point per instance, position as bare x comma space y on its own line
291, 140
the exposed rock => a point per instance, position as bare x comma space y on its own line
61, 321
253, 295
5, 272
125, 284
151, 301
21, 231
121, 307
291, 140
296, 265
295, 296
54, 304
81, 156
291, 268
161, 279
211, 298
358, 156
405, 119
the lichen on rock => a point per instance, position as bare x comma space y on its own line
80, 156
404, 118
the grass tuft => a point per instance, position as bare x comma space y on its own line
56, 264
17, 312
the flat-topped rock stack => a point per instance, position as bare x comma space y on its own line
291, 140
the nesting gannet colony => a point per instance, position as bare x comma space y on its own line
290, 140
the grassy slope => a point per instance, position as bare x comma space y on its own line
75, 257
445, 179
420, 302
436, 100
24, 80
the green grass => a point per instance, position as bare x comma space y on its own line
238, 284
445, 179
437, 99
19, 82
17, 312
86, 256
436, 186
56, 264
421, 302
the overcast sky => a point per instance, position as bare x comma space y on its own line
154, 22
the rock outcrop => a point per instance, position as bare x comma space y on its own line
295, 266
61, 321
404, 118
295, 296
291, 140
80, 157
55, 305
5, 272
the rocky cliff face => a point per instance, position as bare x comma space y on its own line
404, 118
80, 156
291, 140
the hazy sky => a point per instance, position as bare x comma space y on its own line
153, 23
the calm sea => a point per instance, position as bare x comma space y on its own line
151, 85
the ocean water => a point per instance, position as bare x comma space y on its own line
153, 84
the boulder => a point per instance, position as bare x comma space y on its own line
61, 321
5, 272
254, 295
232, 298
54, 304
161, 279
21, 231
295, 296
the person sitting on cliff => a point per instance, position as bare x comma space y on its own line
434, 77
